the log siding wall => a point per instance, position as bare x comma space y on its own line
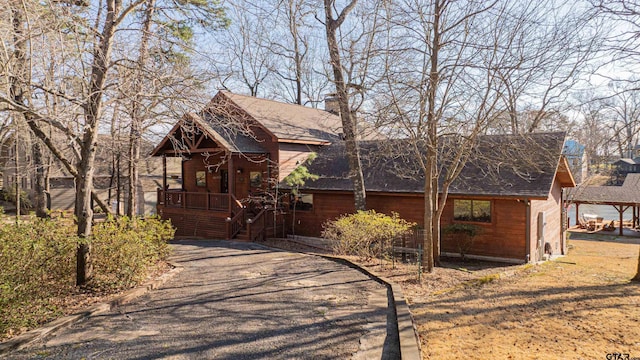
504, 237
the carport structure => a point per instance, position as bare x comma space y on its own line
620, 197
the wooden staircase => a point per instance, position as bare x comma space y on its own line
243, 235
254, 227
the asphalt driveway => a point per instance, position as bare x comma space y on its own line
238, 301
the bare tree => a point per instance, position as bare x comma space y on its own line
623, 108
550, 50
594, 131
20, 93
352, 54
89, 75
247, 61
622, 44
454, 69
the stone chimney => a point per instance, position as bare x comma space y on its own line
331, 104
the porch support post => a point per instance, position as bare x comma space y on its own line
164, 171
577, 206
232, 180
621, 209
621, 216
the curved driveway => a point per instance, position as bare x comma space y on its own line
237, 301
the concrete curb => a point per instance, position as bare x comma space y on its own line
407, 331
25, 339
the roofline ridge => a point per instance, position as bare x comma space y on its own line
276, 101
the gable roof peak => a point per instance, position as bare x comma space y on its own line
287, 122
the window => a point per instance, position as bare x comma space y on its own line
472, 210
255, 178
302, 202
201, 178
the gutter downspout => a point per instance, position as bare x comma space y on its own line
527, 236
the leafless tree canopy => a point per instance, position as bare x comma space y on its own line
423, 71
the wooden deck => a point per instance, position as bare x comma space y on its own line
627, 231
215, 216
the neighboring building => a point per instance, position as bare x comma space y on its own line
110, 179
237, 151
625, 166
621, 198
628, 165
576, 155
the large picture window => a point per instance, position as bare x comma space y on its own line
472, 210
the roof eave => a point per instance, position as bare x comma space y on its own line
157, 151
199, 122
563, 173
303, 141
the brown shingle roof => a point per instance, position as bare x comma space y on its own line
513, 165
627, 194
290, 122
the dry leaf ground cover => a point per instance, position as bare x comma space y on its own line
581, 306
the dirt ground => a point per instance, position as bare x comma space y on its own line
581, 306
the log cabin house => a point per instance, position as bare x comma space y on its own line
238, 149
234, 154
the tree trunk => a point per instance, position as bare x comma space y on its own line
431, 220
134, 155
435, 227
39, 185
637, 277
17, 172
136, 113
427, 258
18, 91
92, 113
293, 29
118, 185
347, 116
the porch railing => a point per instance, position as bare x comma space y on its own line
235, 224
233, 209
195, 200
256, 227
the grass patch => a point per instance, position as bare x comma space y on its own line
487, 279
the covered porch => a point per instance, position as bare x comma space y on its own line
219, 180
621, 198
